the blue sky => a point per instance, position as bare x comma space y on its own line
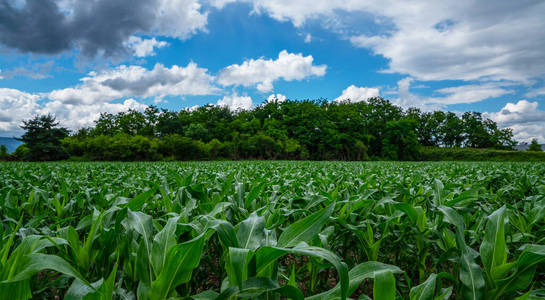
76, 59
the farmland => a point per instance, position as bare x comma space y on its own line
270, 230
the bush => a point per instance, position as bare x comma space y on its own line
182, 148
472, 154
118, 147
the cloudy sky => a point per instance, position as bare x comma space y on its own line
78, 58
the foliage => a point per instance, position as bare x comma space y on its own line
270, 230
471, 154
400, 142
42, 138
534, 146
316, 130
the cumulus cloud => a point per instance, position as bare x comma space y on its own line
179, 18
144, 47
524, 117
110, 90
79, 116
263, 72
357, 94
94, 27
235, 102
16, 106
137, 81
276, 98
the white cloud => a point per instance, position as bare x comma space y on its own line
179, 18
79, 106
521, 112
144, 47
137, 81
434, 40
16, 107
191, 108
535, 92
276, 98
219, 4
357, 94
524, 117
235, 102
469, 93
263, 72
76, 116
407, 99
308, 38
467, 40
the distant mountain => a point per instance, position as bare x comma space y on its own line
11, 143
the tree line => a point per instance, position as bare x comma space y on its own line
309, 129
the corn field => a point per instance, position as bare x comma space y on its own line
272, 230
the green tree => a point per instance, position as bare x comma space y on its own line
534, 146
452, 131
400, 141
4, 155
43, 138
197, 131
105, 125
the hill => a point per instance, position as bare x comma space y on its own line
10, 143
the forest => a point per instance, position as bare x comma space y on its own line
292, 130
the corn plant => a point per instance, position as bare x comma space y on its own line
272, 230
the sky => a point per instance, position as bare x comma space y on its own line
76, 59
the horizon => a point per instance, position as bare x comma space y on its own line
456, 56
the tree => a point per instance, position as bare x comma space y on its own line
400, 141
534, 146
43, 139
197, 131
452, 131
4, 155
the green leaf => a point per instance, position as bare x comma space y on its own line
525, 269
36, 262
266, 256
139, 200
180, 261
356, 276
19, 290
493, 248
162, 242
305, 229
250, 233
424, 291
237, 265
206, 295
384, 285
256, 287
142, 224
471, 276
